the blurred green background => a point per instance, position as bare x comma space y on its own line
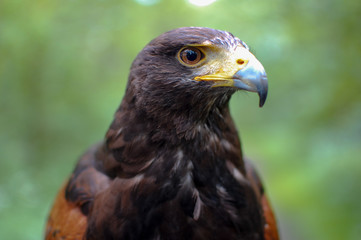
63, 70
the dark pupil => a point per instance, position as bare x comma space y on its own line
191, 55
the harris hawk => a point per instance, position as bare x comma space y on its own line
171, 165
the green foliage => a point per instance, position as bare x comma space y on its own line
63, 70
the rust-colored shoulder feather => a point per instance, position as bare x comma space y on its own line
270, 226
66, 221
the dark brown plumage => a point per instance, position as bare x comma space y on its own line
171, 165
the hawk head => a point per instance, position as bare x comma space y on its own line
198, 64
186, 76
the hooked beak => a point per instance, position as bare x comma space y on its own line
252, 78
248, 74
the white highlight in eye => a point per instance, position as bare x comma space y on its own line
201, 3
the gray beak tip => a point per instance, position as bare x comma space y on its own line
262, 98
263, 90
254, 80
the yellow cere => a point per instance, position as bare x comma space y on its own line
221, 64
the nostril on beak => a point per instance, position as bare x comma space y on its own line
240, 61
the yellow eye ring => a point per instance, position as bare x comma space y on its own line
190, 56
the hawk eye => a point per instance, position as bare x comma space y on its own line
190, 56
